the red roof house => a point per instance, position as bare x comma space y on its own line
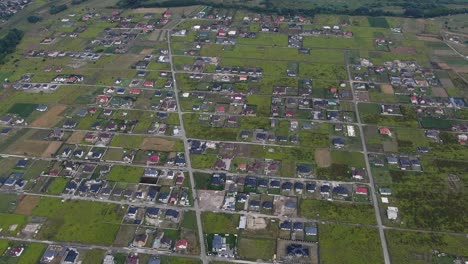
385, 131
181, 244
361, 190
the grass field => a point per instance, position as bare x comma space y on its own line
7, 220
126, 141
219, 223
349, 244
120, 173
22, 109
57, 185
32, 253
355, 159
79, 221
203, 161
254, 249
413, 247
7, 201
339, 212
94, 256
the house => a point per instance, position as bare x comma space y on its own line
341, 191
358, 174
392, 160
181, 244
152, 260
151, 172
310, 187
254, 204
286, 225
22, 163
219, 243
385, 131
325, 189
361, 190
16, 251
311, 231
140, 240
41, 108
132, 212
71, 256
338, 142
392, 213
385, 191
268, 205
172, 215
298, 226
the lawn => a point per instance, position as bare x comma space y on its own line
126, 141
202, 180
94, 256
416, 248
121, 173
79, 221
7, 220
349, 245
219, 223
355, 159
4, 245
179, 260
254, 249
6, 202
203, 161
32, 253
22, 109
57, 185
336, 211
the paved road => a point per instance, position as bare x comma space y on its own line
378, 216
187, 158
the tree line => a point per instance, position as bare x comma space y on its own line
417, 9
8, 43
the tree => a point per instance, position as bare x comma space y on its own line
34, 19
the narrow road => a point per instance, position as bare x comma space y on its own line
187, 157
375, 202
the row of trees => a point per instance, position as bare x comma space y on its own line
8, 43
412, 9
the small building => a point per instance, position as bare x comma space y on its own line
392, 213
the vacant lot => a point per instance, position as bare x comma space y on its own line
22, 109
323, 157
27, 205
336, 211
79, 221
160, 144
29, 147
76, 137
257, 248
52, 149
346, 244
50, 118
387, 89
121, 173
219, 223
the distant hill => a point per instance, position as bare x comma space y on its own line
407, 8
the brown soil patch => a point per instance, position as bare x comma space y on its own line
52, 149
387, 89
439, 92
76, 137
443, 66
27, 205
401, 49
149, 10
146, 51
429, 38
29, 146
49, 118
160, 144
323, 157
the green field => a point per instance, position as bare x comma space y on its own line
219, 223
349, 244
9, 220
203, 161
126, 141
79, 221
22, 109
337, 212
120, 173
416, 248
256, 248
32, 253
58, 185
